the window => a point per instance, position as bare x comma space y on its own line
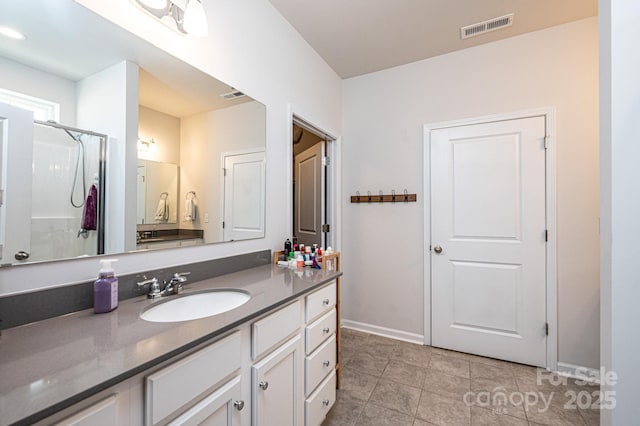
42, 109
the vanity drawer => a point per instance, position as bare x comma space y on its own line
273, 329
319, 364
320, 301
172, 387
320, 330
320, 402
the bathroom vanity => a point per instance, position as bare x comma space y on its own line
270, 361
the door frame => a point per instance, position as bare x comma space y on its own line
334, 175
550, 194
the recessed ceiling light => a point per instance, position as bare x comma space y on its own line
11, 33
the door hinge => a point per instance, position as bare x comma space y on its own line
223, 224
546, 329
546, 235
1, 197
326, 161
325, 227
546, 142
224, 171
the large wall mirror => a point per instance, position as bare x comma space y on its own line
117, 146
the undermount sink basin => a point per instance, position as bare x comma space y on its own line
194, 306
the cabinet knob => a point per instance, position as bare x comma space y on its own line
326, 330
263, 385
326, 301
326, 363
239, 405
326, 402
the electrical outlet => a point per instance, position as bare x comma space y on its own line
206, 218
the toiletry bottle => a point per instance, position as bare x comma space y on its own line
287, 247
105, 288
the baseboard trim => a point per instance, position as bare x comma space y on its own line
383, 331
579, 372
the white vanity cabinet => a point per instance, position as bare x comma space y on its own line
204, 386
221, 408
277, 371
321, 353
103, 413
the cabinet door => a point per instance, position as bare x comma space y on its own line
100, 414
277, 391
221, 408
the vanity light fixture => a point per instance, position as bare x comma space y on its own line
149, 145
187, 16
12, 33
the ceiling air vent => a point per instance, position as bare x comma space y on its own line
232, 95
486, 26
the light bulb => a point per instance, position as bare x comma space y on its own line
195, 20
154, 4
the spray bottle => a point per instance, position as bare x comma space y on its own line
105, 288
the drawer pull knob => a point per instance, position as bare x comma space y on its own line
263, 385
326, 402
239, 405
326, 330
326, 363
326, 301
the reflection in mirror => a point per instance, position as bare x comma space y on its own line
88, 72
157, 192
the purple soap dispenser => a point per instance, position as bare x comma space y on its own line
105, 288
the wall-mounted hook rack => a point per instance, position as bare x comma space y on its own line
405, 197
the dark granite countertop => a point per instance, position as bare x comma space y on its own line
49, 365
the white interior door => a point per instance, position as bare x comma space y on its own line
244, 194
488, 257
16, 142
309, 176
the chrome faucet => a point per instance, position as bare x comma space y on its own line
154, 287
173, 286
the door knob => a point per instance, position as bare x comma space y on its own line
437, 249
263, 385
239, 405
21, 255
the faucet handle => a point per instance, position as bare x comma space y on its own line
154, 287
181, 274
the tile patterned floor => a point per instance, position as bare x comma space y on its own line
389, 382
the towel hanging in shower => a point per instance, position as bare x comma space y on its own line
90, 211
162, 211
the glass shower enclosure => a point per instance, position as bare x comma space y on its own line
67, 192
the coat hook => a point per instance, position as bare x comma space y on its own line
381, 195
369, 196
393, 195
358, 195
406, 196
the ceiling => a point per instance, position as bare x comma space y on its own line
67, 40
357, 37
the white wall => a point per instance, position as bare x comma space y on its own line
30, 81
164, 129
205, 138
251, 47
383, 117
108, 104
620, 204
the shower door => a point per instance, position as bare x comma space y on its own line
16, 135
